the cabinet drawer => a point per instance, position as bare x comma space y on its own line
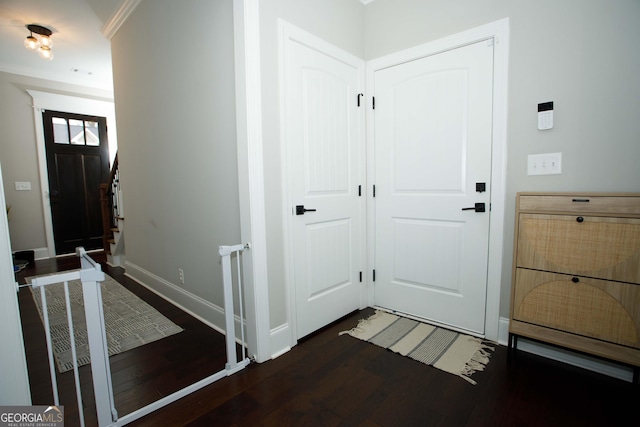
581, 204
601, 247
607, 311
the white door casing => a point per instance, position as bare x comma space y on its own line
432, 149
323, 151
499, 32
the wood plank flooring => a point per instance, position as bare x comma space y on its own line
332, 380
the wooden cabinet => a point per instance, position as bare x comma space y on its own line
576, 274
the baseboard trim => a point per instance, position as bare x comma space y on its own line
601, 366
280, 338
503, 331
208, 313
41, 253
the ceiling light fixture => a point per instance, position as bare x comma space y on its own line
42, 43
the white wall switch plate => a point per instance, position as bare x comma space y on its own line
23, 186
544, 164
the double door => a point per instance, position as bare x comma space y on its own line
432, 177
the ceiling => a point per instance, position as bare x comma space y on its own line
82, 55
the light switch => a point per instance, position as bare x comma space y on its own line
544, 164
23, 186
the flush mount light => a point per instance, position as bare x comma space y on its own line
41, 42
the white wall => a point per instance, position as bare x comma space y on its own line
581, 54
175, 107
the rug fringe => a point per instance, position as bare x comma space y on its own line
362, 323
478, 362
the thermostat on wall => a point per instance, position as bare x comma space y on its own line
545, 115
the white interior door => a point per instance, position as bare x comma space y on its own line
325, 149
433, 123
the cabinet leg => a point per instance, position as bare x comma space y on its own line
512, 343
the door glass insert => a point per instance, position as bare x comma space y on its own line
60, 130
76, 131
92, 137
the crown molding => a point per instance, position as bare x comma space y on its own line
111, 27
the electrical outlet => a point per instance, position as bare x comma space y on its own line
181, 276
544, 164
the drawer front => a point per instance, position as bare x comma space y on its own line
606, 205
601, 247
599, 309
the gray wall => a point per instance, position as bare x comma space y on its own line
581, 54
175, 108
18, 153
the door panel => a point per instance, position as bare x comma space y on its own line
432, 145
425, 114
419, 263
325, 152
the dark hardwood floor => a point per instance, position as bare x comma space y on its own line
331, 380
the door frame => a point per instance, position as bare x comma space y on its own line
499, 32
287, 34
69, 104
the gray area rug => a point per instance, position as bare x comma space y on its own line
129, 321
449, 351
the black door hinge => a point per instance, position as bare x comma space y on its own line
374, 274
361, 277
374, 190
373, 103
359, 95
359, 190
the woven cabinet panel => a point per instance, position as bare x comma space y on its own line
600, 247
603, 310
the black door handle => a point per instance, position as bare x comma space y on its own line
300, 210
479, 207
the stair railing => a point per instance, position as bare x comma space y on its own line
110, 204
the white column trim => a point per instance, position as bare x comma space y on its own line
14, 387
251, 174
111, 27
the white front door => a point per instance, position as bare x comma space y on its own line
433, 127
325, 148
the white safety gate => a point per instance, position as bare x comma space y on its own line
91, 275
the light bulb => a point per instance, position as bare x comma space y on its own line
45, 53
46, 41
31, 43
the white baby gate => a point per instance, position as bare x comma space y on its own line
91, 275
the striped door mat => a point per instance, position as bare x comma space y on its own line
450, 351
